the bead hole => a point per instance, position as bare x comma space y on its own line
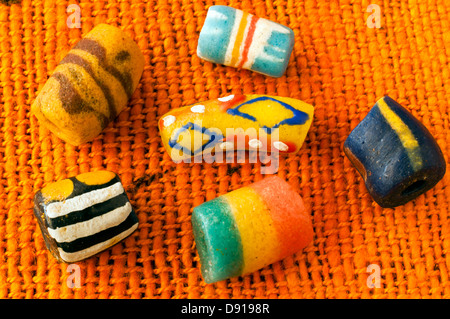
414, 187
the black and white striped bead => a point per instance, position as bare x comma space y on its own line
94, 216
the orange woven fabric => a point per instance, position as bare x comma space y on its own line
339, 65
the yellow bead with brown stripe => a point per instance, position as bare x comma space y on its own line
91, 85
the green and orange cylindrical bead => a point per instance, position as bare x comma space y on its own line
249, 228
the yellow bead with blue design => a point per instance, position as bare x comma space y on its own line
236, 122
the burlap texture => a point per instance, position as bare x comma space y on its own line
339, 65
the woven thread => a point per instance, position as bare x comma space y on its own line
339, 65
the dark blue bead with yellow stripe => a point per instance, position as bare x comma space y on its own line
396, 155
